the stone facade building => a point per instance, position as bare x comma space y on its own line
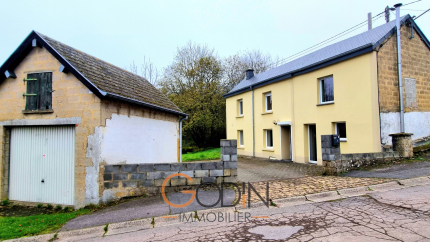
64, 115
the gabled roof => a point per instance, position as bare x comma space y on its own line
345, 49
103, 79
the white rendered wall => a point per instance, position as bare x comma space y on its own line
133, 140
417, 123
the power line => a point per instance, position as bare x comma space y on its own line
421, 14
411, 3
331, 39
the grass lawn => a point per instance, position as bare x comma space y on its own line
16, 227
212, 154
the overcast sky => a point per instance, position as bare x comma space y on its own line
122, 31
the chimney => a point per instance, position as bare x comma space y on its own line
369, 21
249, 73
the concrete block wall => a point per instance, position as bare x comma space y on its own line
329, 152
139, 179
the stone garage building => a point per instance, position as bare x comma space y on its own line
64, 115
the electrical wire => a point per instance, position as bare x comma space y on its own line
411, 3
329, 40
421, 14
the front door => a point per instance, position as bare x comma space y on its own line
313, 143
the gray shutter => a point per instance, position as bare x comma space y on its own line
32, 88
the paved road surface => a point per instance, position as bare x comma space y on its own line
397, 171
400, 215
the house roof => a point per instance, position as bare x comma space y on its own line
345, 49
103, 79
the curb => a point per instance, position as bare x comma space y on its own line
323, 196
353, 192
415, 181
386, 186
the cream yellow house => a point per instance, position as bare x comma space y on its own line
348, 88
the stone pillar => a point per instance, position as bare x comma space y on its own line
331, 157
229, 158
402, 143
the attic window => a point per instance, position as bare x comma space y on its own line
39, 91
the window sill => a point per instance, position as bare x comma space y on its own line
342, 140
37, 111
268, 112
326, 103
269, 149
239, 116
241, 147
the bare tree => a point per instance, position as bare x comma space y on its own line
235, 66
147, 71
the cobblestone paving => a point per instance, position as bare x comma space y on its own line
252, 169
309, 185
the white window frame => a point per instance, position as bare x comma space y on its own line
267, 139
241, 141
240, 107
335, 127
265, 101
320, 81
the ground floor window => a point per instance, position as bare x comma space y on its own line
240, 137
269, 138
341, 131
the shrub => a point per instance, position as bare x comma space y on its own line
49, 206
39, 205
5, 202
58, 207
67, 209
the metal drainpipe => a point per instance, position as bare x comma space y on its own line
399, 62
253, 125
180, 137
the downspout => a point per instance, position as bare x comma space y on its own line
253, 124
399, 62
180, 137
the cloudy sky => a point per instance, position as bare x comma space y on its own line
121, 32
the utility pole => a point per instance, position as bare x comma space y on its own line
387, 14
399, 62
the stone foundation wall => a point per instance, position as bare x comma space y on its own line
147, 179
348, 162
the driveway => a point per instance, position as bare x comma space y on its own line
253, 169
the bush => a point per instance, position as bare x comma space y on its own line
49, 206
67, 209
5, 202
58, 207
39, 205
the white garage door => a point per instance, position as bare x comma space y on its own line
42, 161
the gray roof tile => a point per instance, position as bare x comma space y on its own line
340, 48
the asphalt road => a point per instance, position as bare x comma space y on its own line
396, 171
399, 215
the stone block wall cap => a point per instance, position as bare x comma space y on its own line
401, 134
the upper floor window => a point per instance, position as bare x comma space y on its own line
240, 107
39, 91
326, 90
268, 102
341, 131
